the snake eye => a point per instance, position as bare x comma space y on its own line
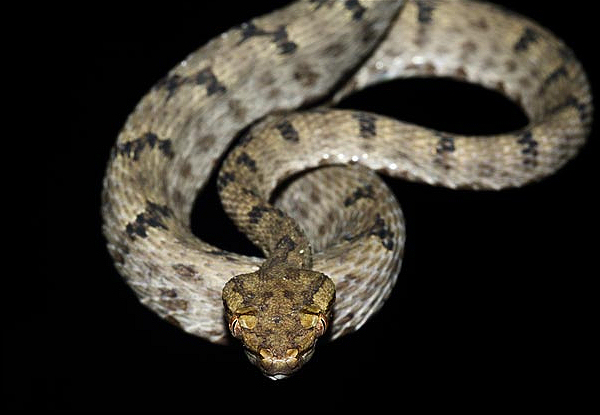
234, 327
313, 319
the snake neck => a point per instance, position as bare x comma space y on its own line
276, 234
292, 250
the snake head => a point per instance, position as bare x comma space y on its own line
278, 314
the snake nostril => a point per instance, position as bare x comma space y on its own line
266, 354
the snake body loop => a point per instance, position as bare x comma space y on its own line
333, 240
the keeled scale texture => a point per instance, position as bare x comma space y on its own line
170, 143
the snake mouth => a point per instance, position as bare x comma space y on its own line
277, 367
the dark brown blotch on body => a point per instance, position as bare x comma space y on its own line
171, 84
169, 299
366, 124
356, 8
362, 192
225, 177
511, 66
528, 148
585, 110
468, 48
186, 170
174, 304
244, 159
207, 78
485, 170
249, 30
528, 37
425, 11
186, 271
287, 131
319, 3
177, 198
500, 87
334, 50
315, 196
169, 293
480, 23
266, 78
273, 93
118, 253
286, 243
152, 217
489, 62
524, 82
132, 149
206, 142
305, 76
445, 144
554, 76
256, 213
369, 34
173, 321
426, 68
278, 36
237, 109
380, 230
460, 73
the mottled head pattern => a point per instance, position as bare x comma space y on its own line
279, 313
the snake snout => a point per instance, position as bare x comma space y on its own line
278, 366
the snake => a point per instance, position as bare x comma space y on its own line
301, 178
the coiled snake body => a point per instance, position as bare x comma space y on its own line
333, 241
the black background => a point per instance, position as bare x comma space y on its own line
492, 307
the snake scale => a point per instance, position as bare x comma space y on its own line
333, 237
